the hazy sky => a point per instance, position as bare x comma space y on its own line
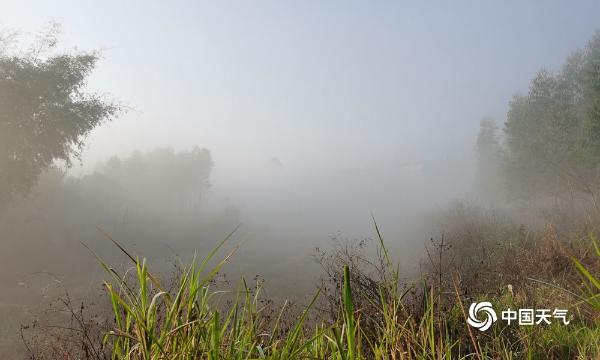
329, 84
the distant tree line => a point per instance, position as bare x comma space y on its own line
551, 136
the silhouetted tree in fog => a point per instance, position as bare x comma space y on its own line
45, 112
553, 132
161, 181
488, 181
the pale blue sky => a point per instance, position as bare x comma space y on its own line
333, 84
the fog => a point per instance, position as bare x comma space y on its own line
290, 122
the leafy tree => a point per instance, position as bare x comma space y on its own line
553, 132
590, 79
488, 150
45, 111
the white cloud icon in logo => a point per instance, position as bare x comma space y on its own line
483, 307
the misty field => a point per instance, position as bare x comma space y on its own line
300, 180
361, 310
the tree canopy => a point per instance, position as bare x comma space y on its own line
552, 134
46, 113
488, 177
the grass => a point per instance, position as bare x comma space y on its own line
591, 282
190, 323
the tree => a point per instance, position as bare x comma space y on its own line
45, 111
176, 180
590, 79
553, 132
488, 181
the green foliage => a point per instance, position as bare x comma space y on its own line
553, 132
187, 323
45, 112
591, 281
488, 179
349, 320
